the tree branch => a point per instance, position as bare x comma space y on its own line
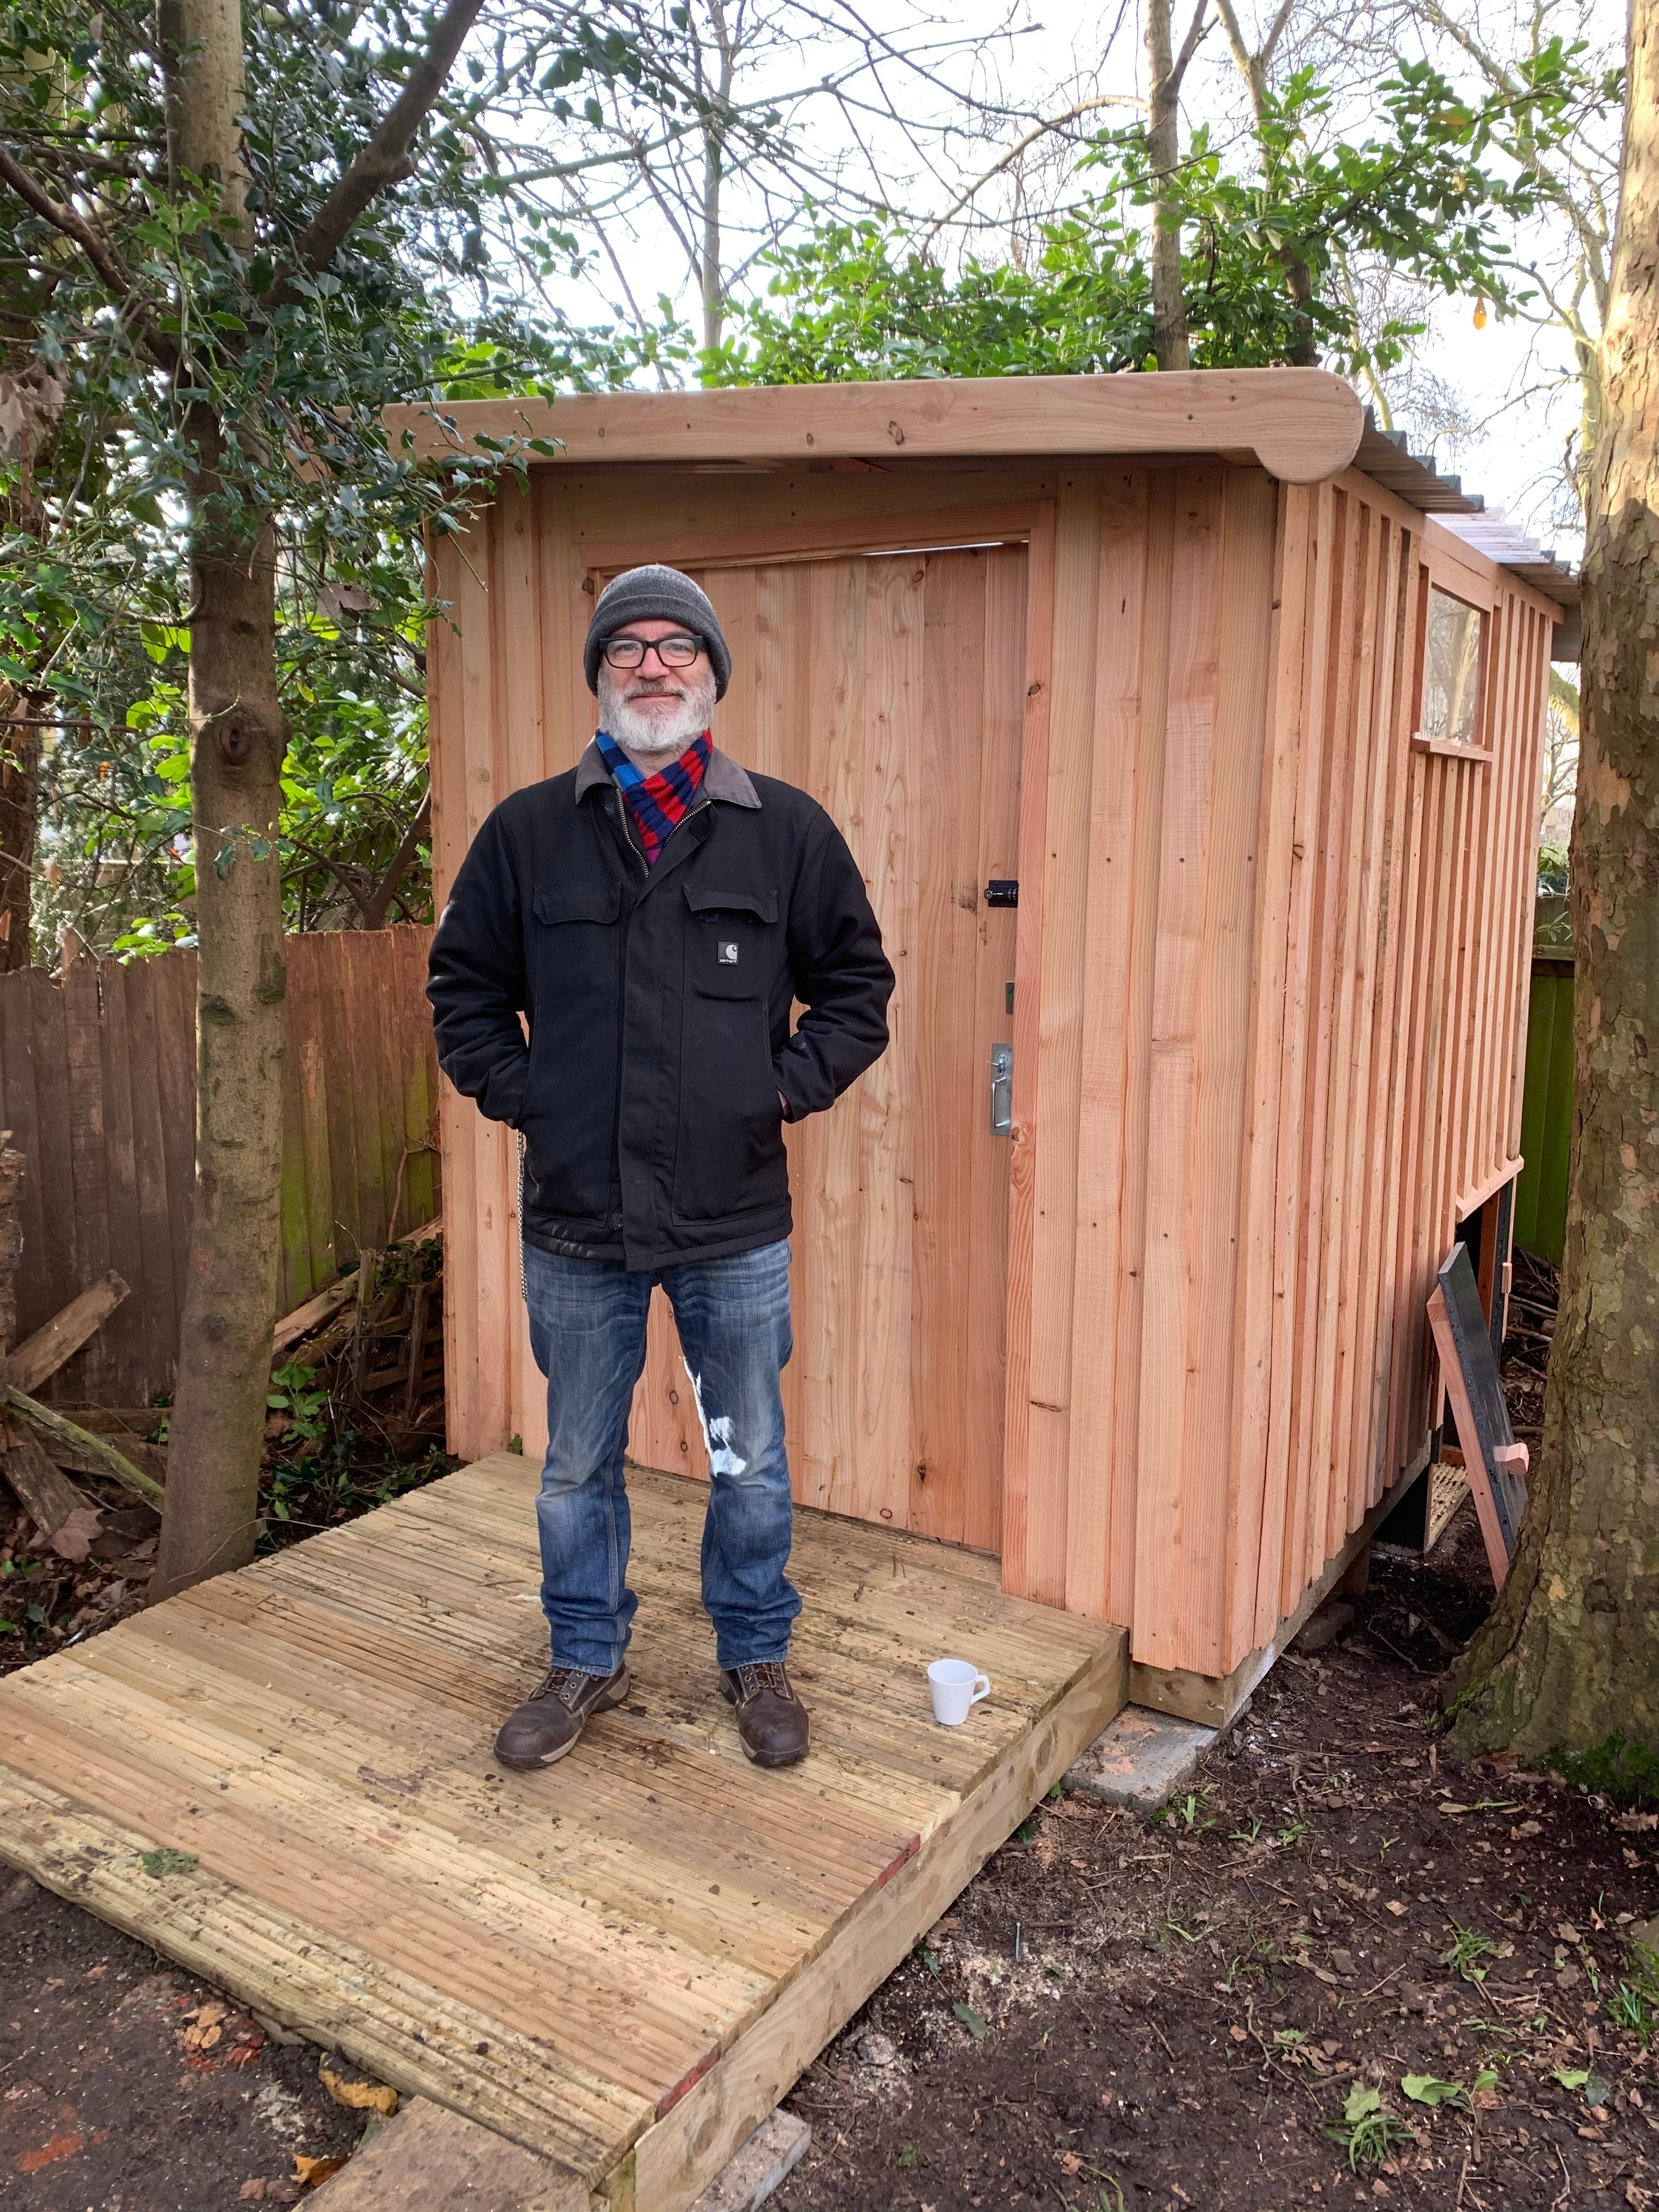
1023, 145
105, 262
374, 909
70, 221
380, 162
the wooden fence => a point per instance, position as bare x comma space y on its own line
98, 1088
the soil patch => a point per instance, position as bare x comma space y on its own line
1229, 2004
130, 2086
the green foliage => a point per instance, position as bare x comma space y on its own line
1266, 254
158, 1864
1365, 2131
1468, 1947
197, 328
1187, 1812
293, 1393
1595, 2091
1624, 1772
1429, 2089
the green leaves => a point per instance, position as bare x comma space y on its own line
1596, 2090
158, 1864
972, 2021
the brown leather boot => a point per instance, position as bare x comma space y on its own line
547, 1724
771, 1719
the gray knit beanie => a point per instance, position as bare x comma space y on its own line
655, 593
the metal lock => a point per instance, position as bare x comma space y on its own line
1002, 1090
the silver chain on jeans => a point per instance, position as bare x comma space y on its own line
524, 1288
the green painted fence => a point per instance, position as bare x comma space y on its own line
1541, 1195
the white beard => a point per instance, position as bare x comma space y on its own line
653, 736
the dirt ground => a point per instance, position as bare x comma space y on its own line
117, 2092
1122, 2013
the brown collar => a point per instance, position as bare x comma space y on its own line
722, 779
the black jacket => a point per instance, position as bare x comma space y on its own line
659, 1003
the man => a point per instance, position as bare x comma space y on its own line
653, 914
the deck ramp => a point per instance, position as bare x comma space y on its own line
621, 1963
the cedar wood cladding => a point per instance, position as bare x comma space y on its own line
1270, 967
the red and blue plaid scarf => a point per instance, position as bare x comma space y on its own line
658, 803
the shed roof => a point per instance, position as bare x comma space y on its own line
1384, 457
1302, 425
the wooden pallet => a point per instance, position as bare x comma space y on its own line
621, 1964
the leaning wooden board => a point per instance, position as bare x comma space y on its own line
1497, 1465
622, 1964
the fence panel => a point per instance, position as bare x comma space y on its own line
98, 1089
1540, 1193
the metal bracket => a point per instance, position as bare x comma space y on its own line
1002, 1090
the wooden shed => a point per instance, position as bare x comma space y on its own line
1190, 767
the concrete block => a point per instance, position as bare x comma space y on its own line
1141, 1759
750, 2176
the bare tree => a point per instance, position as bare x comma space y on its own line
752, 116
1166, 68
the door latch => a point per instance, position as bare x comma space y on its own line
1002, 1090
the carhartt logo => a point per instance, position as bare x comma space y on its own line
727, 953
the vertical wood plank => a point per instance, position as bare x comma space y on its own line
1017, 1470
820, 670
20, 1117
1289, 1239
891, 735
89, 1199
51, 1274
152, 1294
1132, 623
1061, 861
1325, 847
948, 1104
1002, 721
1253, 1502
311, 1022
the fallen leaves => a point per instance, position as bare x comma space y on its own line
206, 2029
362, 2096
972, 2021
74, 1538
49, 2153
313, 2172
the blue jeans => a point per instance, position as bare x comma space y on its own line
587, 1331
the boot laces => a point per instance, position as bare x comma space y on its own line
763, 1675
566, 1683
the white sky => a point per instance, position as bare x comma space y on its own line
1512, 383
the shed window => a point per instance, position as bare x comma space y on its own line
1452, 669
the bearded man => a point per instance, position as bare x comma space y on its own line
653, 914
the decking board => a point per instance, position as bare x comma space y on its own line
626, 1959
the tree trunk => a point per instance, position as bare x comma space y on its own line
1170, 345
238, 738
1567, 1664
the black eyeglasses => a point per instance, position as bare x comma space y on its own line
677, 652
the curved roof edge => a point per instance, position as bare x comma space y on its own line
1304, 425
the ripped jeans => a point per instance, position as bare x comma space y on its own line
587, 1331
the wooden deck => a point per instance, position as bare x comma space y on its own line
622, 1963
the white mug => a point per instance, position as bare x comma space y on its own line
956, 1684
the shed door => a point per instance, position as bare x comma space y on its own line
891, 686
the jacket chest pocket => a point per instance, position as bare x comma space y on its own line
577, 936
729, 941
